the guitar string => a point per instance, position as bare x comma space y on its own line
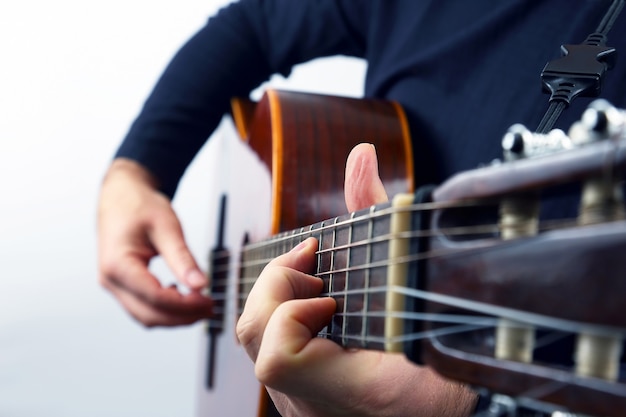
451, 232
545, 340
246, 280
307, 230
429, 255
478, 321
464, 324
287, 239
411, 337
455, 232
349, 292
304, 232
535, 319
472, 324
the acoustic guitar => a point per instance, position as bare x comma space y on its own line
466, 277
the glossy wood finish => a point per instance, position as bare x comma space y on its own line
242, 111
590, 396
569, 280
576, 274
305, 139
563, 281
532, 174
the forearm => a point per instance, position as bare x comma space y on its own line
190, 99
237, 50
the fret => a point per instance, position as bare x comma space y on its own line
338, 286
353, 324
325, 258
301, 236
307, 235
325, 332
370, 234
322, 257
358, 256
377, 251
279, 247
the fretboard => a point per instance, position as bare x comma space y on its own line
355, 260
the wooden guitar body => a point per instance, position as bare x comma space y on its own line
302, 141
467, 278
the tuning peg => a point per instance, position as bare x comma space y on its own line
514, 142
519, 143
600, 121
595, 118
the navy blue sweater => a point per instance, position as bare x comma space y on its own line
463, 70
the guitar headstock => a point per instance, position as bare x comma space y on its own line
537, 293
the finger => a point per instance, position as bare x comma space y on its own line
352, 382
151, 316
363, 186
290, 353
130, 275
167, 237
288, 333
280, 281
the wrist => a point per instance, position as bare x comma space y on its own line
130, 170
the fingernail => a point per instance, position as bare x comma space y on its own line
196, 278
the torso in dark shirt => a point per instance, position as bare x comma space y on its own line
463, 70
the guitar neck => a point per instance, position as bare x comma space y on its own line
442, 281
360, 257
406, 282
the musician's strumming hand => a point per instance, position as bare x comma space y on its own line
313, 377
136, 223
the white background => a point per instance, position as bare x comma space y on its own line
73, 75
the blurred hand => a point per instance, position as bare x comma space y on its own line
136, 223
308, 376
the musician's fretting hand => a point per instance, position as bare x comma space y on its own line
136, 223
313, 377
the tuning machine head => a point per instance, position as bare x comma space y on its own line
521, 143
600, 121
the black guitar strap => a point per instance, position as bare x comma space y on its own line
580, 70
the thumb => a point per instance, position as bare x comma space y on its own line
363, 186
169, 241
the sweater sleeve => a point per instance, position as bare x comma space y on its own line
239, 48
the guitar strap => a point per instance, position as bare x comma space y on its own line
580, 70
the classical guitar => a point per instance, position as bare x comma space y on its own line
466, 277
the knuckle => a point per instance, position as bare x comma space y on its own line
272, 369
107, 274
107, 269
246, 331
104, 281
153, 299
